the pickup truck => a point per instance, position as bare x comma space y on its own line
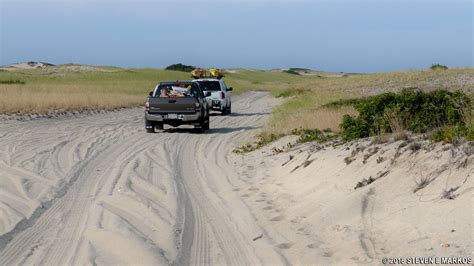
177, 103
220, 98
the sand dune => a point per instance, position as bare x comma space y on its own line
98, 190
412, 199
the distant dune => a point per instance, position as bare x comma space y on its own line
52, 67
26, 65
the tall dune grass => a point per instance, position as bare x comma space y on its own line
46, 90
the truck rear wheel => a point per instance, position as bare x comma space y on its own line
201, 127
198, 129
206, 123
149, 126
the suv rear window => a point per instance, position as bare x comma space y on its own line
210, 85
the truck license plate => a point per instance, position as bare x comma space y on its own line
172, 116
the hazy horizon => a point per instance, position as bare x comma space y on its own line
346, 36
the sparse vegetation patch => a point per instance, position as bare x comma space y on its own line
450, 133
12, 81
307, 135
449, 193
262, 140
291, 92
342, 102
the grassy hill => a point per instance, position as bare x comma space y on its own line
75, 87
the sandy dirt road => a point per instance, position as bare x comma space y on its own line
99, 190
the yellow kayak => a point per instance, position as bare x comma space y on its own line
203, 73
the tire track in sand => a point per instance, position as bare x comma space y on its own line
110, 152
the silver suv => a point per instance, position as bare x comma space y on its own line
220, 98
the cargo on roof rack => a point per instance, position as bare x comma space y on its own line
207, 73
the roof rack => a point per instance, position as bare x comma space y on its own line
204, 73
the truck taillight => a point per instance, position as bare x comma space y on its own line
147, 105
222, 95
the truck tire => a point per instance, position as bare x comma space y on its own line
224, 111
206, 123
201, 127
229, 109
149, 126
159, 126
198, 129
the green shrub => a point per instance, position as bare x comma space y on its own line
411, 109
298, 69
307, 135
180, 67
342, 102
353, 128
262, 140
290, 71
291, 92
11, 81
449, 133
470, 132
438, 67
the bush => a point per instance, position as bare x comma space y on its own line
262, 140
307, 135
291, 92
353, 128
265, 138
11, 81
290, 71
298, 69
438, 67
180, 67
342, 102
470, 132
450, 133
411, 109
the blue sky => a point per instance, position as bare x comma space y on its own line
349, 36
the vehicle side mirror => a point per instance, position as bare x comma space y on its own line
207, 93
229, 89
150, 94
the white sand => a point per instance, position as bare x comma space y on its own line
314, 214
99, 190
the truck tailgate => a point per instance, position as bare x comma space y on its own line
172, 105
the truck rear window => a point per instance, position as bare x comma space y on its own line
182, 90
210, 85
